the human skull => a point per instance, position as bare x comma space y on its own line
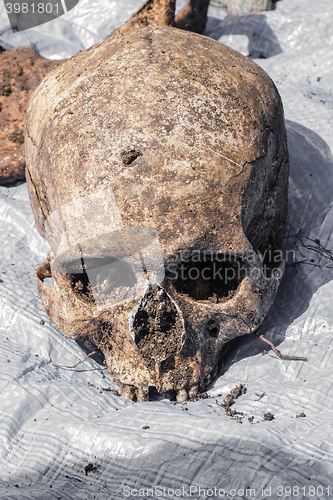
157, 168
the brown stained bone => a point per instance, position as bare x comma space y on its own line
152, 13
189, 138
193, 17
21, 70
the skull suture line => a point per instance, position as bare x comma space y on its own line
157, 168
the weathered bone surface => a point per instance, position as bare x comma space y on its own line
22, 69
192, 17
157, 168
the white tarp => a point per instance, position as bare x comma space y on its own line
55, 422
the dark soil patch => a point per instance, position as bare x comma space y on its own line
21, 70
229, 401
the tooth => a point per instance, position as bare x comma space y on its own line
128, 391
208, 379
141, 395
181, 395
192, 392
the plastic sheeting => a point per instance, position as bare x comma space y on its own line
56, 422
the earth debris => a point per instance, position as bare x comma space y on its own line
202, 395
229, 401
89, 468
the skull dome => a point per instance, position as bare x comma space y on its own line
157, 169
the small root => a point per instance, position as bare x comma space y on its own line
278, 353
77, 364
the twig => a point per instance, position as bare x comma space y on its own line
260, 396
278, 353
77, 364
316, 247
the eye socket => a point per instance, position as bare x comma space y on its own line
106, 279
208, 276
81, 287
98, 279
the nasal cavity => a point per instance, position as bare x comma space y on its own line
157, 326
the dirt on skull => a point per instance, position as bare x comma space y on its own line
21, 70
158, 146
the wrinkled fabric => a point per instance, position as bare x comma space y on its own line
62, 435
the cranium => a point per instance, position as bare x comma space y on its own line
157, 168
